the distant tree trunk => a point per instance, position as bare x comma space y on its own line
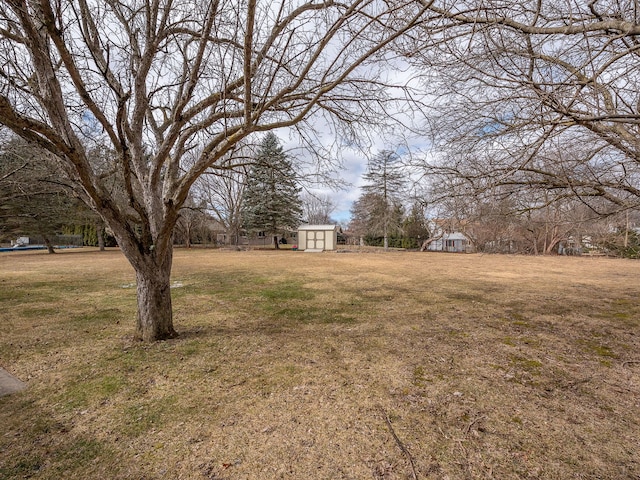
275, 242
626, 230
100, 234
427, 242
48, 244
554, 239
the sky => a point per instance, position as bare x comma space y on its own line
353, 159
354, 166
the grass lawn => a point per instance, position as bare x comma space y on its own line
323, 366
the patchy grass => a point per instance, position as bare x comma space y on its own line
330, 366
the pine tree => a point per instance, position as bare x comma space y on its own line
271, 201
386, 182
34, 197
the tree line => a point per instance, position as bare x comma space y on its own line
395, 211
263, 197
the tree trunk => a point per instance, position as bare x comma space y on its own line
428, 241
626, 230
151, 258
153, 275
386, 239
100, 235
155, 317
275, 242
47, 243
187, 233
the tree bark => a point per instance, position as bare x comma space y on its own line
155, 318
100, 235
428, 241
48, 244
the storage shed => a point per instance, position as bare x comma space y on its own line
317, 238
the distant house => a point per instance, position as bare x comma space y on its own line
456, 242
317, 238
262, 238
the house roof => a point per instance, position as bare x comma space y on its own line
317, 227
454, 236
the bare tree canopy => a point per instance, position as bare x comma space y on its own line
156, 81
538, 94
222, 192
318, 208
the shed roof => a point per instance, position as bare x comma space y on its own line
317, 227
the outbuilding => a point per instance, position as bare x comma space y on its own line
317, 238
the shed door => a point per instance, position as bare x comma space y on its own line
315, 240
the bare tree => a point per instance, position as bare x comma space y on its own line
154, 80
192, 220
374, 216
533, 220
317, 208
365, 216
221, 189
222, 193
540, 95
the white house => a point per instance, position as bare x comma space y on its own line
451, 242
317, 238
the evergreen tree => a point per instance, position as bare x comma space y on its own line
271, 201
386, 182
414, 228
35, 199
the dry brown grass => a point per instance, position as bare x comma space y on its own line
329, 366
